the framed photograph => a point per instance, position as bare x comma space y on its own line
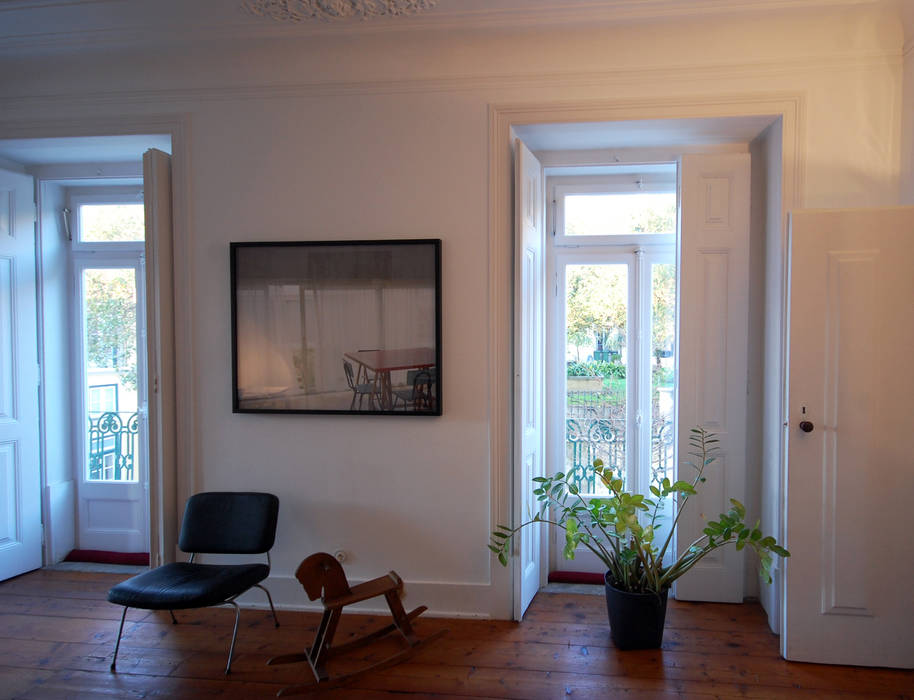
337, 327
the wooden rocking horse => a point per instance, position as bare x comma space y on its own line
322, 577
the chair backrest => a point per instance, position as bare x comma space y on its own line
422, 390
350, 379
229, 522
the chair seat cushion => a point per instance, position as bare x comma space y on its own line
183, 585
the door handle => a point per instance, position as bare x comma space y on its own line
806, 426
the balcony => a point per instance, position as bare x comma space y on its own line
595, 429
113, 446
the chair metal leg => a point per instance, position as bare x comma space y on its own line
228, 667
117, 645
269, 598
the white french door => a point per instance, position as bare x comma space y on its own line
111, 397
528, 362
20, 476
610, 390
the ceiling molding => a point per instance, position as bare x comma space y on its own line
35, 26
601, 80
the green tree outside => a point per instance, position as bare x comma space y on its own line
110, 315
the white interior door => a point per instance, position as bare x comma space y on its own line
850, 480
713, 360
20, 476
529, 390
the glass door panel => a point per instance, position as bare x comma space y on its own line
596, 358
663, 329
109, 323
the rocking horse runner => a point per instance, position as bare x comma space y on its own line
322, 573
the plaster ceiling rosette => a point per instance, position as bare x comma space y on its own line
328, 10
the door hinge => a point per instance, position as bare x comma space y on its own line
43, 538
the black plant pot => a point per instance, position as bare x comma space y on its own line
635, 619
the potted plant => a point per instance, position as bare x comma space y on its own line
623, 530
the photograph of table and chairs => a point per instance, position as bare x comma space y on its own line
337, 327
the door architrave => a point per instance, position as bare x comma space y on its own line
789, 108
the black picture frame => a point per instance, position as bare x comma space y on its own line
303, 310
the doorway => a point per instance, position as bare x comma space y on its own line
563, 138
90, 317
109, 360
610, 350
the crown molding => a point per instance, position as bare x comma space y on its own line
864, 60
61, 25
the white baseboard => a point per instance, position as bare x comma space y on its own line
466, 600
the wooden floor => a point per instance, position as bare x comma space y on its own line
57, 637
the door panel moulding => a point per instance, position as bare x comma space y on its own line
178, 128
787, 108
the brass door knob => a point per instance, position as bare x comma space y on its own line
806, 426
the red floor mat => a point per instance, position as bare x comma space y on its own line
97, 556
575, 577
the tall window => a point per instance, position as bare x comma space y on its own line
612, 320
108, 272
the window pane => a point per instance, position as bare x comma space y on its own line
596, 313
663, 327
111, 222
110, 341
620, 214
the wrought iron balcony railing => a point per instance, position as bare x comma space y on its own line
595, 428
113, 446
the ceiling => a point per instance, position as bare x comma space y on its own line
30, 26
83, 149
652, 133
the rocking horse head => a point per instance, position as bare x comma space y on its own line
322, 572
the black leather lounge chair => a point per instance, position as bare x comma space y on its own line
214, 523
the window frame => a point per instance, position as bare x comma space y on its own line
648, 181
639, 252
78, 197
99, 255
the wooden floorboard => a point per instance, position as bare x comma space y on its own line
57, 636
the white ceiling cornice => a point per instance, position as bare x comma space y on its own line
30, 26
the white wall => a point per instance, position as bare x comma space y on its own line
57, 438
388, 136
907, 146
